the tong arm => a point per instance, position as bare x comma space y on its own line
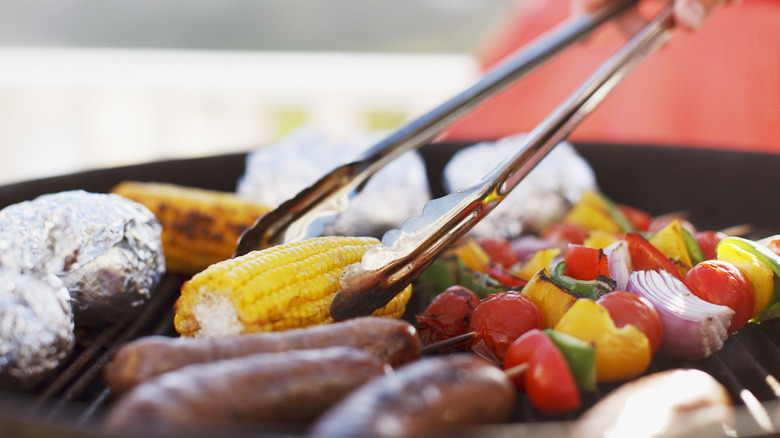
297, 218
387, 269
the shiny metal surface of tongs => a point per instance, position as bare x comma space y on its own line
300, 217
387, 269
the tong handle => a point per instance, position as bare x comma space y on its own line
385, 270
297, 218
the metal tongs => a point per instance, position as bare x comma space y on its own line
387, 269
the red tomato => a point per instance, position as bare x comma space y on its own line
708, 243
563, 232
501, 318
720, 282
627, 308
548, 381
646, 257
448, 315
504, 277
499, 250
585, 263
638, 218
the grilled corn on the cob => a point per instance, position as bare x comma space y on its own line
278, 288
200, 227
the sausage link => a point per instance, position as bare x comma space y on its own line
293, 386
422, 398
394, 341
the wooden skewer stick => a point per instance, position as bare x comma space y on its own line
431, 348
738, 230
516, 370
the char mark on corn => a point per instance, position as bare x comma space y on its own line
200, 227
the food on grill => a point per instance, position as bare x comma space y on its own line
499, 319
279, 288
277, 172
720, 282
756, 269
447, 316
552, 299
693, 328
673, 403
427, 397
579, 355
199, 227
621, 353
392, 340
546, 376
104, 248
616, 288
542, 197
293, 386
629, 309
613, 249
36, 326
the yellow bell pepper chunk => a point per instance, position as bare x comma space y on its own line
621, 353
472, 255
592, 214
758, 272
671, 243
551, 299
600, 239
539, 260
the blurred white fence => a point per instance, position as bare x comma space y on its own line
65, 110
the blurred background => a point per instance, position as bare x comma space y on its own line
90, 83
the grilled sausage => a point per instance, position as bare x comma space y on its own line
292, 386
429, 396
392, 340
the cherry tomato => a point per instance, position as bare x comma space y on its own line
564, 232
646, 257
548, 380
720, 282
708, 242
627, 308
500, 251
638, 218
585, 263
501, 318
448, 315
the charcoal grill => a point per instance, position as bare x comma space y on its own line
718, 188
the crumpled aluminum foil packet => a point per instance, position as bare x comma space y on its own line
69, 258
277, 172
36, 327
542, 197
106, 249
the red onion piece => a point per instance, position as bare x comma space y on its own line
693, 328
619, 260
525, 246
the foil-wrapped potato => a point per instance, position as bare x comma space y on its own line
277, 172
542, 197
104, 248
36, 327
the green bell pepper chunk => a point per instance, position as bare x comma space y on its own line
592, 289
694, 251
581, 357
